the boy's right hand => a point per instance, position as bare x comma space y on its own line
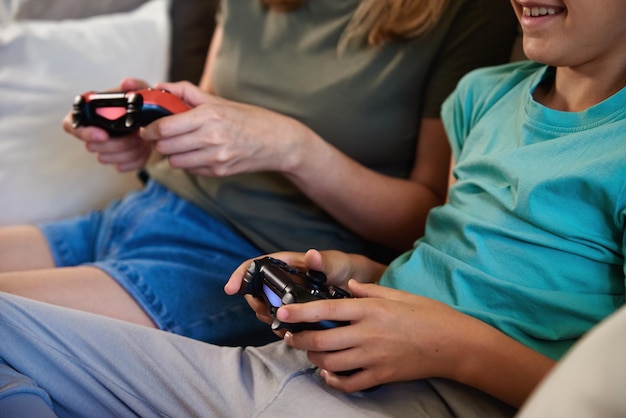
339, 268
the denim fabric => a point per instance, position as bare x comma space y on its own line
171, 257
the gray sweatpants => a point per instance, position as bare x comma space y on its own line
83, 365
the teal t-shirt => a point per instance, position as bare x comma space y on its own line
532, 240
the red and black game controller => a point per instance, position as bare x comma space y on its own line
120, 113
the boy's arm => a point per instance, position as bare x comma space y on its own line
398, 336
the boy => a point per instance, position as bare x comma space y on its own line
526, 257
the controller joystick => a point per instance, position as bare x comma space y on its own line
316, 277
120, 113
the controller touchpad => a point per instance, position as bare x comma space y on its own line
111, 113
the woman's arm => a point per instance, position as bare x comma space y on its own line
380, 208
387, 210
220, 137
216, 42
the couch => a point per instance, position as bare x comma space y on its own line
52, 50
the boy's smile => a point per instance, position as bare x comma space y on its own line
572, 32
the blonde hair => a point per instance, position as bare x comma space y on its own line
381, 21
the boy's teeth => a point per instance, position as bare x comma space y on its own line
538, 11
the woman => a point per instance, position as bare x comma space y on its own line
323, 132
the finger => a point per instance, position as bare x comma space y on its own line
89, 133
259, 307
188, 92
183, 145
314, 260
132, 156
233, 285
340, 267
128, 84
357, 381
326, 309
199, 159
132, 165
334, 264
234, 282
171, 126
116, 145
370, 290
67, 123
344, 362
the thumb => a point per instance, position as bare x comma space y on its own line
129, 84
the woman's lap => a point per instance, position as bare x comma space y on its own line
170, 256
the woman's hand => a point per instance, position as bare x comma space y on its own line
125, 153
219, 137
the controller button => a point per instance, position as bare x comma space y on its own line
130, 121
276, 324
339, 292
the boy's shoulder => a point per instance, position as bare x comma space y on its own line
489, 81
481, 89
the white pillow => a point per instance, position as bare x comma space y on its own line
44, 172
63, 9
69, 9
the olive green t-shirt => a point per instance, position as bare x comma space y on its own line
366, 101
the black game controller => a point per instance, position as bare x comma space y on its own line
120, 113
280, 284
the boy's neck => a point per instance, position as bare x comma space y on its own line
573, 90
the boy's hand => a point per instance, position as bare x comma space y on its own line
339, 268
393, 336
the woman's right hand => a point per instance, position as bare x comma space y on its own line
126, 153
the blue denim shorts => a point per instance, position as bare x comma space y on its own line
171, 257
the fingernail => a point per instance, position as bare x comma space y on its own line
282, 314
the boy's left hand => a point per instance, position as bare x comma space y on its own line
393, 336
